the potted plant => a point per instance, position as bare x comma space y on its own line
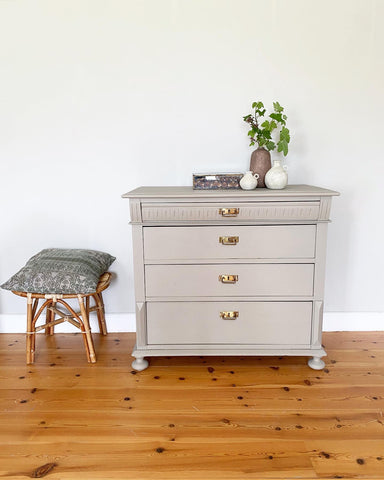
261, 135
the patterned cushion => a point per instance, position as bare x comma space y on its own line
59, 270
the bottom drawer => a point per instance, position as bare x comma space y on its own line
257, 323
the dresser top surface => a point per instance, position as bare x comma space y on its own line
189, 192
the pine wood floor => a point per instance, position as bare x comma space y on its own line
191, 418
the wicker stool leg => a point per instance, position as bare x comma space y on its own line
100, 313
87, 336
87, 305
34, 308
52, 329
47, 319
30, 331
50, 317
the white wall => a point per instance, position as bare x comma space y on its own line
98, 97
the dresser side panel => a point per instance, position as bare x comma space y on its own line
139, 284
319, 282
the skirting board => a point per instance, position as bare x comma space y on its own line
125, 322
116, 322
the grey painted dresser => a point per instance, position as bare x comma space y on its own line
229, 272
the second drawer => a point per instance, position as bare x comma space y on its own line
249, 280
229, 241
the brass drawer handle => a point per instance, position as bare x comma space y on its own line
228, 278
229, 240
229, 315
229, 212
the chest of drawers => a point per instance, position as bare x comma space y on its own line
229, 272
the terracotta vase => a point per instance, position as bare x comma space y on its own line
260, 163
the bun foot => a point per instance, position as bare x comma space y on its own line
140, 364
316, 363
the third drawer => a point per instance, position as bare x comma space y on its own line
289, 279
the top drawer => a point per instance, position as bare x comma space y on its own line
231, 212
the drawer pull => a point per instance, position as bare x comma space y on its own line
229, 212
229, 240
228, 278
229, 315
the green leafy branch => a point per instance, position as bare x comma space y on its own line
261, 133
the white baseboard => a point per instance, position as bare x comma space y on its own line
353, 321
125, 322
116, 322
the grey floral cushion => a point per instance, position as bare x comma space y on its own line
59, 270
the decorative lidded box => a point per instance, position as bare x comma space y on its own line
216, 181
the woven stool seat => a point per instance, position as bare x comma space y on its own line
55, 315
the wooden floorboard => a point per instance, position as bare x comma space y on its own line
197, 418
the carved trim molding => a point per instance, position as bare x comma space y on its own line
261, 211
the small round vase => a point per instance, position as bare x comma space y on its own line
277, 177
249, 181
260, 163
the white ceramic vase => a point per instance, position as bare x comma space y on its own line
249, 181
276, 178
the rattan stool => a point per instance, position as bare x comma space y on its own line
79, 319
